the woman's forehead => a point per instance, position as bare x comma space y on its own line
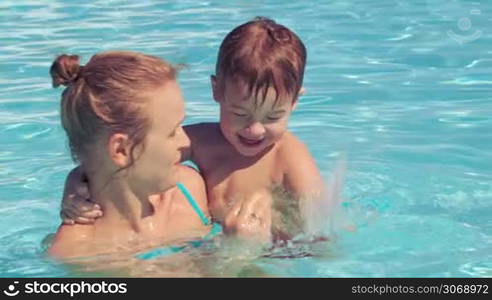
166, 105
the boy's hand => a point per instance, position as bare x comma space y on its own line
76, 205
251, 218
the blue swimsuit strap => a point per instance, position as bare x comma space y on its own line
216, 227
164, 251
193, 204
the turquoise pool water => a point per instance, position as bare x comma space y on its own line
401, 87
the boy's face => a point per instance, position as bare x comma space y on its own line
250, 124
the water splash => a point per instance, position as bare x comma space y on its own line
324, 217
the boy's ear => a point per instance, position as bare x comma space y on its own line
216, 93
302, 90
119, 149
294, 104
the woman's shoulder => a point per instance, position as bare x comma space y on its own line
195, 185
191, 179
70, 241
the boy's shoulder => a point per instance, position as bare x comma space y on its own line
204, 132
301, 174
292, 151
207, 143
290, 144
203, 127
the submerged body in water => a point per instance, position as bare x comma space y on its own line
305, 231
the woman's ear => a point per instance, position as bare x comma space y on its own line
216, 92
119, 149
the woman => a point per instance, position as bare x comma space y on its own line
122, 113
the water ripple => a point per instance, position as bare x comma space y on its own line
407, 104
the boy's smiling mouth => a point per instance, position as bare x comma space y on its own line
250, 142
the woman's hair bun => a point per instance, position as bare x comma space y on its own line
65, 70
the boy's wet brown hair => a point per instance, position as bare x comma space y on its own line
263, 54
106, 96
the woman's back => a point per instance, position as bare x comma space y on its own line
173, 219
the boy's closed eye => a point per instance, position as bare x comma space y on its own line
276, 115
239, 114
274, 118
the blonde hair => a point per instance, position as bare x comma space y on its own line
105, 96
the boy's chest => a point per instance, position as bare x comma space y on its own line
230, 182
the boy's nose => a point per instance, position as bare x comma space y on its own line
255, 129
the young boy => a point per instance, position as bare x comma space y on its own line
250, 154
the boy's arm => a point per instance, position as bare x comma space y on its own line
76, 206
302, 188
301, 175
